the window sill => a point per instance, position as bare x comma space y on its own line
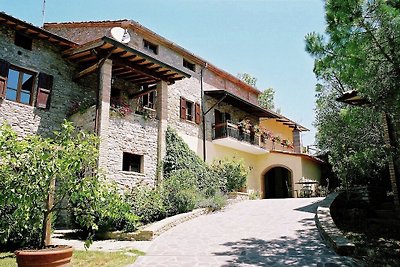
133, 173
17, 103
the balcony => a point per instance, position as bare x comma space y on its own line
231, 135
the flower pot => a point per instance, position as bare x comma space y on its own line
47, 257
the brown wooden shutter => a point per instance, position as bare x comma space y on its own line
197, 113
45, 86
183, 108
4, 67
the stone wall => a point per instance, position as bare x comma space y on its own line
135, 135
44, 57
237, 115
189, 89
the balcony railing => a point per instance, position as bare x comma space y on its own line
228, 129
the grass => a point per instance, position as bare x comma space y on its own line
87, 258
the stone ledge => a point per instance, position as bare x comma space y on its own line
328, 229
149, 232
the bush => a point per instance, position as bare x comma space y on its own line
148, 203
180, 157
231, 173
213, 203
180, 192
105, 207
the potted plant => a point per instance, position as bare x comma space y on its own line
39, 175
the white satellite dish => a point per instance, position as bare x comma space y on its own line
121, 35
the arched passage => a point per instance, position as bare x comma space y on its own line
277, 183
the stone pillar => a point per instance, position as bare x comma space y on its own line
103, 113
296, 140
162, 116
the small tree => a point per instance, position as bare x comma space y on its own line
247, 78
38, 175
266, 98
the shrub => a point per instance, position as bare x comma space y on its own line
213, 203
180, 157
180, 192
231, 172
148, 203
104, 207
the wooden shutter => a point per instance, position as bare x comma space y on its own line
197, 116
4, 67
183, 108
45, 86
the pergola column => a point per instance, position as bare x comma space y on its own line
103, 112
162, 116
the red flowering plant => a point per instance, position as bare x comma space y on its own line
120, 106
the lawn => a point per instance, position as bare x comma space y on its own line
86, 258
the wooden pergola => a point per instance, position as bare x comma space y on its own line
129, 64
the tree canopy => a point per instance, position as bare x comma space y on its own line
266, 98
359, 51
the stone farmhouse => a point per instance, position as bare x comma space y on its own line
130, 90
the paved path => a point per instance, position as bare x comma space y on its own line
275, 232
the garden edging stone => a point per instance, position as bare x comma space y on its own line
328, 229
149, 232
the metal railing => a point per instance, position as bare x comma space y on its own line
228, 129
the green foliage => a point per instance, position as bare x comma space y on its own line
361, 53
188, 183
101, 207
231, 172
148, 203
213, 203
266, 98
247, 78
29, 167
180, 192
180, 157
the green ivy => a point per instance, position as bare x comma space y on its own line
180, 157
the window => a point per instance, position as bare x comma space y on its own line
19, 86
148, 100
150, 47
189, 65
23, 41
190, 111
132, 162
16, 84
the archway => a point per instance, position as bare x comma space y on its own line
277, 183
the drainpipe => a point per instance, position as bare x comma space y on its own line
202, 111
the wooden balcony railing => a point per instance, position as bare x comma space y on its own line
228, 129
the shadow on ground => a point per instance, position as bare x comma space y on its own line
306, 249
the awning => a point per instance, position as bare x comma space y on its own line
240, 103
128, 63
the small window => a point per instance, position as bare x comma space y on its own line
150, 47
189, 111
148, 100
189, 65
132, 162
23, 41
19, 86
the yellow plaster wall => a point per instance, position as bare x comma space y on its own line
278, 128
259, 164
311, 169
270, 160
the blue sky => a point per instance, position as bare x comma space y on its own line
264, 38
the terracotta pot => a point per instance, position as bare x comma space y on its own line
47, 257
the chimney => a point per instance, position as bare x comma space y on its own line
296, 140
